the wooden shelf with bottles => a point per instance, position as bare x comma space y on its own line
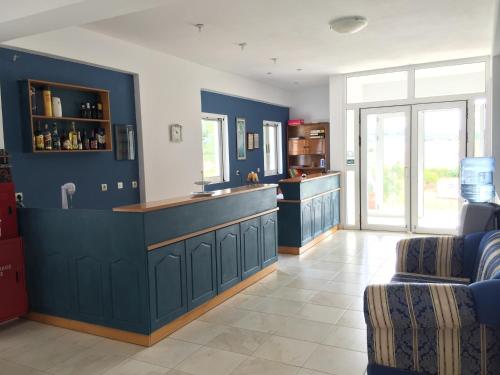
308, 147
72, 96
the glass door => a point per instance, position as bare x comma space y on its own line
438, 145
385, 161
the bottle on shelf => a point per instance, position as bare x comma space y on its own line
100, 114
56, 140
101, 139
39, 144
80, 144
73, 136
65, 141
93, 111
83, 110
88, 110
34, 107
93, 140
47, 138
86, 141
47, 102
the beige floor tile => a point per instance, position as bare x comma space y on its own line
88, 362
293, 294
354, 319
117, 347
307, 283
262, 289
9, 368
199, 332
319, 313
306, 371
302, 329
224, 314
285, 350
344, 288
347, 338
258, 366
261, 322
133, 367
357, 305
167, 353
238, 340
337, 361
278, 306
341, 301
209, 361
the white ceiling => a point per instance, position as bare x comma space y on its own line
400, 32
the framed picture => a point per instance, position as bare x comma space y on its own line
241, 149
255, 140
250, 145
175, 133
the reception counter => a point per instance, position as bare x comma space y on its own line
308, 212
138, 273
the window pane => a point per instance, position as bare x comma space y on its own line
211, 148
377, 87
450, 80
479, 127
350, 141
271, 157
350, 197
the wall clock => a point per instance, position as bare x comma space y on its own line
175, 133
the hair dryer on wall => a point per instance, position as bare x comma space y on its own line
67, 191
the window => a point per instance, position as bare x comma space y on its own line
480, 124
273, 163
450, 80
215, 148
377, 87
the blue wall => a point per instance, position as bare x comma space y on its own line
254, 113
39, 176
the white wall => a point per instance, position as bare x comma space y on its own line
311, 104
168, 90
495, 120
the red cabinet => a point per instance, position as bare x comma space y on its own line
13, 297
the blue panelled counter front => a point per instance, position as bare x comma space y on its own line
309, 211
140, 272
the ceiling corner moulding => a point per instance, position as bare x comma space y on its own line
348, 25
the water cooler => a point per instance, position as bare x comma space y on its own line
477, 188
13, 297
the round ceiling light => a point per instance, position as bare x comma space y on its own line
348, 25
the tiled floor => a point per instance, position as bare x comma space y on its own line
304, 319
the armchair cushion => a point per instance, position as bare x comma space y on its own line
438, 256
488, 263
404, 277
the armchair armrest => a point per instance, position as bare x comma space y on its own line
438, 256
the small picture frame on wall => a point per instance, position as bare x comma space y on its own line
250, 145
241, 149
255, 140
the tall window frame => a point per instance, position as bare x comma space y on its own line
219, 171
272, 148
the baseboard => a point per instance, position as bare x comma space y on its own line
300, 250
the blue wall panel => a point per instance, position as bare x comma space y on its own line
254, 113
39, 176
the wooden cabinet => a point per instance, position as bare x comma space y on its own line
306, 146
167, 283
306, 213
250, 247
327, 212
228, 257
269, 238
201, 269
317, 215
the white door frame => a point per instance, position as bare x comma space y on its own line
462, 105
364, 112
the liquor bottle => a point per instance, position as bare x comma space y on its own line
56, 140
94, 111
80, 144
47, 138
73, 137
86, 141
34, 107
83, 110
65, 142
88, 111
99, 111
47, 102
93, 141
39, 144
101, 139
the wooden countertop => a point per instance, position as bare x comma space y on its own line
181, 201
313, 176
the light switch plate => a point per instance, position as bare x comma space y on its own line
258, 170
104, 187
134, 184
119, 185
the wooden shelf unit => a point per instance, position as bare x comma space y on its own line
64, 122
305, 153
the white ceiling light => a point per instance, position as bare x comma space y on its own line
348, 25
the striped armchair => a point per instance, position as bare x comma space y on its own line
441, 312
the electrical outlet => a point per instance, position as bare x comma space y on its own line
119, 185
104, 187
258, 170
134, 184
237, 172
19, 197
